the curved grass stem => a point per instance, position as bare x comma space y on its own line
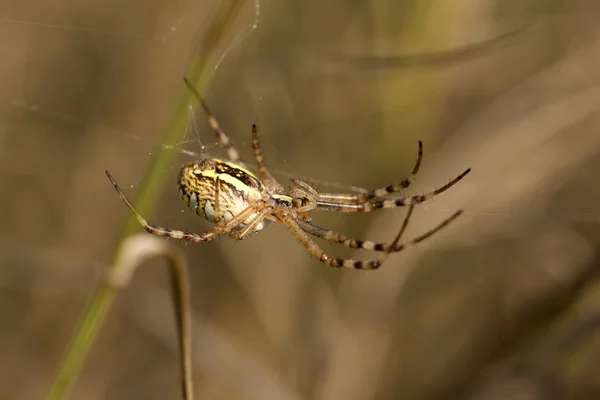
135, 251
150, 187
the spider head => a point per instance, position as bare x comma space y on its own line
304, 197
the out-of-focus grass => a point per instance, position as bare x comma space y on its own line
150, 186
524, 116
414, 98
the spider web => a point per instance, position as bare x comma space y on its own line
194, 145
45, 152
199, 141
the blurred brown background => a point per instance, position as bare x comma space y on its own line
502, 304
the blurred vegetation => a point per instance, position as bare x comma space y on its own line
502, 304
174, 133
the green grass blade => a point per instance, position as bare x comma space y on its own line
150, 188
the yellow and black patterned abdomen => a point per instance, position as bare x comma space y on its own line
213, 186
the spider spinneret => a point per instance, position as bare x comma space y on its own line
239, 203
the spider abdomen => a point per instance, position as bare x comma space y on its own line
218, 191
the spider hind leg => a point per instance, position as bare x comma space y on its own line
320, 254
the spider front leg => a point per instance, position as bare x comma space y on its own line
306, 198
361, 198
395, 187
335, 202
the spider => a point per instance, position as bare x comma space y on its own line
239, 203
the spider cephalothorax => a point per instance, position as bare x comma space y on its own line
239, 203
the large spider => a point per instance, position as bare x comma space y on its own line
238, 202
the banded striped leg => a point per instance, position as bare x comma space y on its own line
268, 179
243, 234
396, 187
188, 236
396, 240
361, 198
335, 202
232, 153
335, 237
320, 254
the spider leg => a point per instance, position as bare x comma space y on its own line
336, 203
320, 254
224, 140
268, 179
395, 187
243, 234
356, 199
176, 234
305, 196
335, 237
217, 211
396, 240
